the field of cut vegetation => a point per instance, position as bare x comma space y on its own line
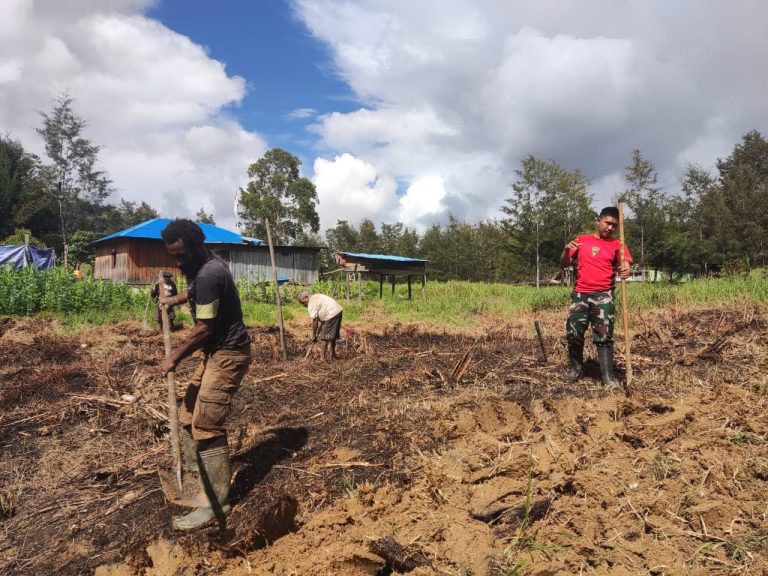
442, 442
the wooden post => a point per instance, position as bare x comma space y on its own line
359, 286
381, 285
392, 279
409, 286
541, 341
146, 309
424, 286
277, 290
624, 303
173, 409
346, 285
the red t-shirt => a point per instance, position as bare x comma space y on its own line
596, 263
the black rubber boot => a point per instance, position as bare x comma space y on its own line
214, 475
576, 362
605, 358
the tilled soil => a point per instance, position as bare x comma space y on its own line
417, 452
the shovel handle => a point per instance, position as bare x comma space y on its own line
624, 303
309, 349
173, 409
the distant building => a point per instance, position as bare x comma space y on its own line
136, 255
355, 265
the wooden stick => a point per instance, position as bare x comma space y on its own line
624, 312
541, 341
277, 290
146, 309
173, 409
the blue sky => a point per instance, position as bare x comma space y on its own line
422, 108
286, 68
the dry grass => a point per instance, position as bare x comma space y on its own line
427, 414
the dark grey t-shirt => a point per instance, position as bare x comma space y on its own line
213, 296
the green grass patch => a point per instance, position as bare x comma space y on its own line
56, 293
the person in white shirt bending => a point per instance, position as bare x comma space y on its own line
326, 320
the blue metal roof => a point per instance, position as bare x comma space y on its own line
151, 230
382, 257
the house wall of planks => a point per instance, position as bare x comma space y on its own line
134, 261
137, 261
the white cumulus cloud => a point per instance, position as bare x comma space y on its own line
351, 189
154, 100
463, 91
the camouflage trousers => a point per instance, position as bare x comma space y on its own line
596, 308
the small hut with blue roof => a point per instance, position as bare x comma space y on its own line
381, 266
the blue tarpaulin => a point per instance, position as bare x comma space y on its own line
16, 256
360, 255
42, 258
21, 256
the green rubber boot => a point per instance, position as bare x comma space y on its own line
214, 476
605, 358
193, 494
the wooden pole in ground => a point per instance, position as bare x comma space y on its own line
173, 409
277, 290
409, 287
146, 309
541, 341
624, 303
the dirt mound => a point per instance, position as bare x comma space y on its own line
428, 453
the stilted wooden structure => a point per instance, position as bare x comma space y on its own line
355, 265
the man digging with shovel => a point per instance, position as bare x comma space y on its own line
219, 330
597, 259
326, 321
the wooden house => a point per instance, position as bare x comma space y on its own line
137, 254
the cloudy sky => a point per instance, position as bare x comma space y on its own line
399, 109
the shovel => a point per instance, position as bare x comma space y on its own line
309, 348
190, 494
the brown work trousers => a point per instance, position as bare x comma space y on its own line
209, 392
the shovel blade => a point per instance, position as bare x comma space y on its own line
190, 494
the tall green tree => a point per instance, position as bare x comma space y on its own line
703, 212
279, 193
368, 238
647, 202
548, 207
527, 207
23, 201
343, 237
71, 178
744, 180
567, 211
204, 217
18, 170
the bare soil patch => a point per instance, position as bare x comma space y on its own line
418, 452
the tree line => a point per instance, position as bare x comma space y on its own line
717, 222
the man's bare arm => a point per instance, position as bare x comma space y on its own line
180, 298
201, 332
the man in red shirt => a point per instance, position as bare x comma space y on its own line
597, 260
